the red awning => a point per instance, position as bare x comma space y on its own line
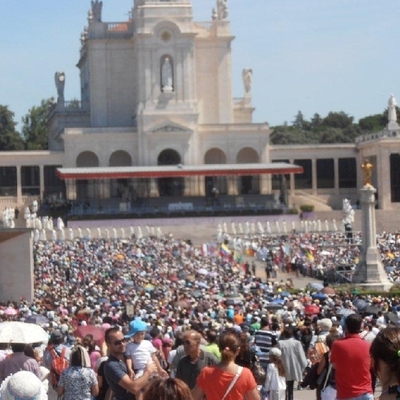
173, 171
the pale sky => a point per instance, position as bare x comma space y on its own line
308, 55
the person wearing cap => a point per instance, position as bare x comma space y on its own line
275, 382
140, 352
57, 343
116, 371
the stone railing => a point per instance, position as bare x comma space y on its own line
76, 105
204, 24
375, 136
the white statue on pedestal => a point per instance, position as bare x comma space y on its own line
348, 211
166, 76
247, 76
392, 117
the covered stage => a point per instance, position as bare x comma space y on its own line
178, 188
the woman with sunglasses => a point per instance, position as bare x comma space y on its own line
226, 380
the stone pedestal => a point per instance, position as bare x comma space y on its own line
370, 272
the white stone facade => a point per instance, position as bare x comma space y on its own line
157, 89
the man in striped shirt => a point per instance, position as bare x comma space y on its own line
265, 339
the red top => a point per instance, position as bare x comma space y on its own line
215, 382
352, 361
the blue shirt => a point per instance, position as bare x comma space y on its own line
114, 371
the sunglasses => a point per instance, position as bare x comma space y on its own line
187, 342
119, 342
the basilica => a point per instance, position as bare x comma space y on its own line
157, 121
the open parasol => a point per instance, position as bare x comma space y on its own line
19, 332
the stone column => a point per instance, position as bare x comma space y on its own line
314, 176
201, 186
232, 185
265, 184
154, 188
370, 271
41, 181
19, 185
71, 189
336, 174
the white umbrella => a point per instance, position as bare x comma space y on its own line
202, 271
18, 332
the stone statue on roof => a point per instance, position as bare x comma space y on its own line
95, 12
247, 76
59, 78
392, 117
222, 9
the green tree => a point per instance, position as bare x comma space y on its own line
35, 129
372, 123
316, 121
10, 139
338, 120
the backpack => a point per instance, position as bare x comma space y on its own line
58, 365
316, 353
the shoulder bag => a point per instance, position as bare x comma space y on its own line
234, 380
258, 371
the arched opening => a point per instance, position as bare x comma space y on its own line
170, 186
248, 184
86, 188
87, 159
215, 156
120, 188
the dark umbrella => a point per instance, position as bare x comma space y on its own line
372, 309
392, 317
360, 304
274, 306
37, 319
319, 296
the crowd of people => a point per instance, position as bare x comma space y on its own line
205, 311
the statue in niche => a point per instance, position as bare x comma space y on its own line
247, 76
392, 117
222, 9
95, 12
166, 76
59, 78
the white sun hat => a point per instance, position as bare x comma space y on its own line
23, 385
